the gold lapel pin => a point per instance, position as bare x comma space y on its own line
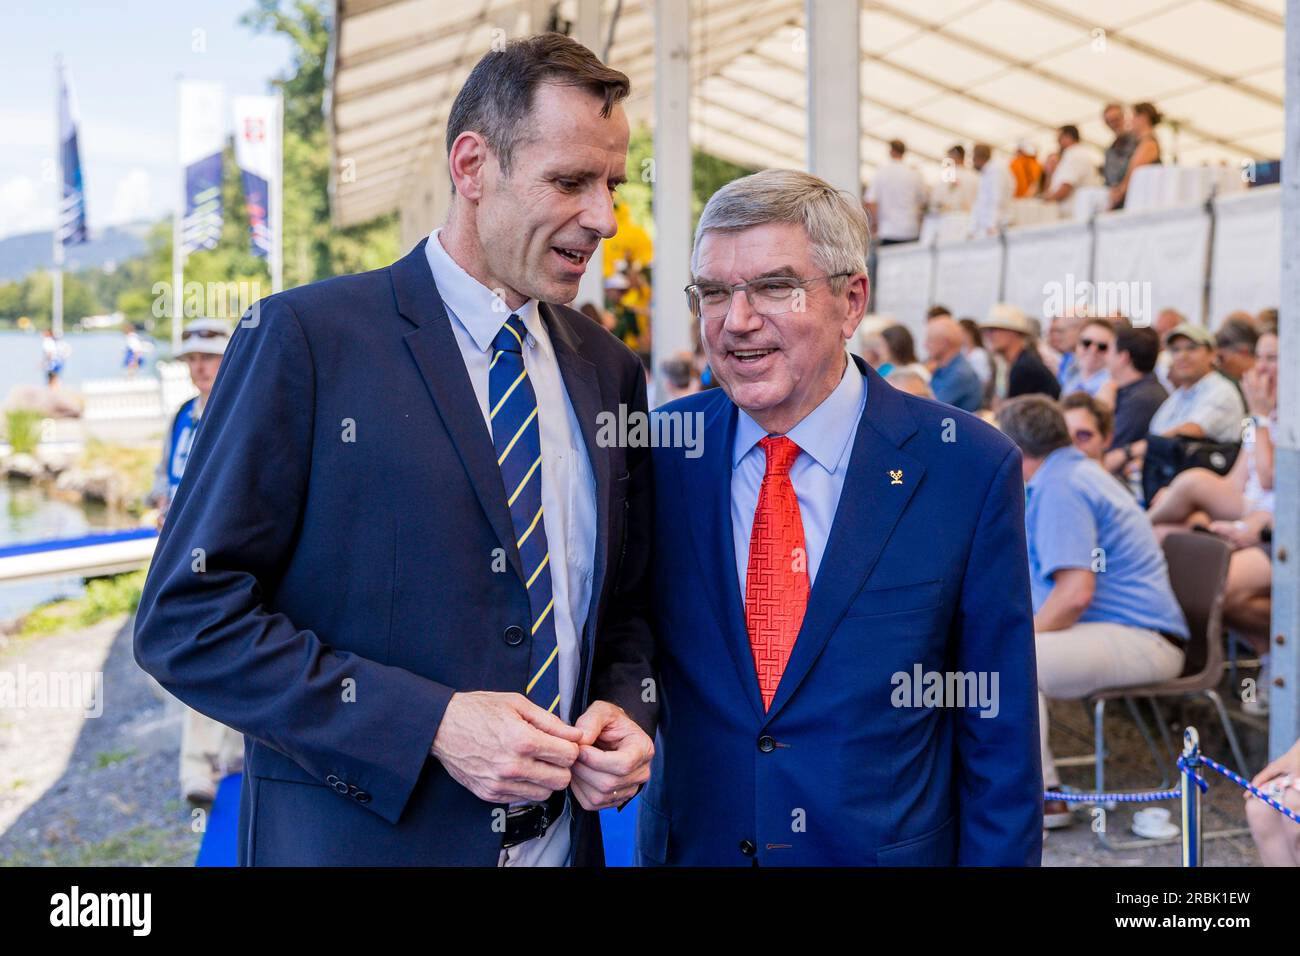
896, 477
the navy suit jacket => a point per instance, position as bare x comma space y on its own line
925, 567
331, 571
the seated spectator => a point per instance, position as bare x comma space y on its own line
1090, 423
901, 352
907, 379
978, 356
1009, 334
1277, 837
1137, 392
871, 345
953, 380
1063, 336
1146, 151
1166, 321
1203, 404
1234, 345
1075, 169
1104, 611
937, 312
1088, 372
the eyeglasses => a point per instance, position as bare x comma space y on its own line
769, 295
1102, 347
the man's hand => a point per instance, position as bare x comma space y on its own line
614, 759
503, 748
1286, 766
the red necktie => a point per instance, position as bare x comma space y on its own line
776, 585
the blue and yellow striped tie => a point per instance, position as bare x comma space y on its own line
517, 437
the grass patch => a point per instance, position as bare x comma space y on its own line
23, 429
140, 845
104, 598
106, 758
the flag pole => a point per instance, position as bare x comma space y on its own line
276, 197
56, 314
178, 257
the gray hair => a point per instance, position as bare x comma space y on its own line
834, 221
1035, 423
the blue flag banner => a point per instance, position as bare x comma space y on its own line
72, 204
257, 149
202, 136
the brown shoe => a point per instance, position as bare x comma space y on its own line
1056, 814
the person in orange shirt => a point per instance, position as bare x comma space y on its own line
1027, 170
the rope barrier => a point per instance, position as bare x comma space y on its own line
1245, 785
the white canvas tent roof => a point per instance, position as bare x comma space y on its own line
934, 73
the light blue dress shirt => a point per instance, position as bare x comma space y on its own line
826, 438
568, 486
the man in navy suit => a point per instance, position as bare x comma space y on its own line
400, 562
853, 679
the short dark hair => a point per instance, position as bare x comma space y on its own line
896, 146
1070, 130
1035, 423
960, 150
1236, 332
498, 94
1100, 413
973, 330
900, 344
1142, 343
982, 152
937, 310
1152, 114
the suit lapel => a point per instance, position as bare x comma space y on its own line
437, 356
588, 399
869, 508
714, 541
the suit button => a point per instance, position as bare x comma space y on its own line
514, 636
748, 848
766, 744
340, 786
331, 780
363, 797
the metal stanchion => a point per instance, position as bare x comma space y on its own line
1191, 798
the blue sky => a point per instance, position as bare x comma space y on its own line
124, 58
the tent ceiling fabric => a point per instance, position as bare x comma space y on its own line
933, 74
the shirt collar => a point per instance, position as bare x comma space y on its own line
1060, 458
472, 303
824, 432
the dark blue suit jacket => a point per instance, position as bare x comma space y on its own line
925, 565
324, 582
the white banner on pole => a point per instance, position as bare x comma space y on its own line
202, 136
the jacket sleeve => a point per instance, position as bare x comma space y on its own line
999, 771
623, 671
204, 627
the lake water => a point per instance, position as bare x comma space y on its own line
94, 355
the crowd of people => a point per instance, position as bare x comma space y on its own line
898, 197
1129, 433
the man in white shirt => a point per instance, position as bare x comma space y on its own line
1075, 169
992, 207
895, 200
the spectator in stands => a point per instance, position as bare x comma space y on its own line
1146, 150
1166, 321
1026, 170
1234, 345
937, 312
1090, 423
679, 377
976, 354
1093, 630
909, 380
991, 211
952, 380
1063, 336
955, 191
1074, 170
1009, 334
1277, 837
896, 199
1267, 319
1088, 372
871, 345
902, 351
1137, 392
1115, 165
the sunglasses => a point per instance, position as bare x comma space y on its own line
1094, 344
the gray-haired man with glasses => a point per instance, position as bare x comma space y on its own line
838, 545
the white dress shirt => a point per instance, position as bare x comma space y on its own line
825, 439
1077, 166
568, 487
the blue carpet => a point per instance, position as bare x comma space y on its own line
220, 842
220, 845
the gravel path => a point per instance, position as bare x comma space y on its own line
92, 791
